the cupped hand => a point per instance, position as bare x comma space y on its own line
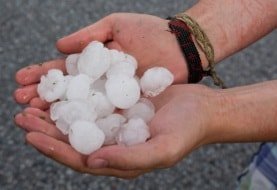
145, 37
181, 124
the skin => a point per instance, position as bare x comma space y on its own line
188, 116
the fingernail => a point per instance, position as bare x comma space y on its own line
98, 163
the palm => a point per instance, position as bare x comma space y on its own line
176, 130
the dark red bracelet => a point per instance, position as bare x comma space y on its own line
183, 35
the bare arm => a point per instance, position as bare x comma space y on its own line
246, 114
233, 25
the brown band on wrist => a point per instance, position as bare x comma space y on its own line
189, 50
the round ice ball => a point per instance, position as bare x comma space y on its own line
101, 104
65, 113
71, 64
110, 125
52, 86
123, 68
85, 137
94, 61
123, 91
143, 109
130, 59
116, 56
155, 80
134, 132
78, 87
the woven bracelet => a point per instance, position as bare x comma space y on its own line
185, 25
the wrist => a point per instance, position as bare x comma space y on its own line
245, 114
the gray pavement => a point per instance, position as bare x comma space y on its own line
28, 31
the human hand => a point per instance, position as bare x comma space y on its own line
180, 125
145, 37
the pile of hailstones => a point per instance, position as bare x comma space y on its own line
101, 101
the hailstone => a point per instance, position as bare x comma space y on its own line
130, 59
134, 132
100, 103
144, 109
123, 91
124, 68
85, 137
78, 87
155, 80
71, 64
52, 86
110, 125
65, 113
94, 61
116, 56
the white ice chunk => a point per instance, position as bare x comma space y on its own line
110, 125
66, 112
134, 132
55, 109
78, 87
101, 104
123, 67
144, 109
155, 80
71, 64
122, 91
52, 86
130, 59
94, 61
85, 137
116, 56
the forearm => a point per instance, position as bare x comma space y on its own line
233, 25
246, 114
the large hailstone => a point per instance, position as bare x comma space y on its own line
111, 126
71, 64
118, 56
94, 61
155, 80
100, 103
144, 109
65, 113
134, 132
123, 91
78, 87
52, 86
85, 137
123, 67
130, 59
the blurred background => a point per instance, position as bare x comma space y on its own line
28, 32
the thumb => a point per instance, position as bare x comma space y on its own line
149, 155
74, 43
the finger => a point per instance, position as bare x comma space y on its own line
39, 103
32, 74
138, 157
65, 154
25, 94
32, 123
39, 113
74, 43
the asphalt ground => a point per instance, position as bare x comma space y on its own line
28, 31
